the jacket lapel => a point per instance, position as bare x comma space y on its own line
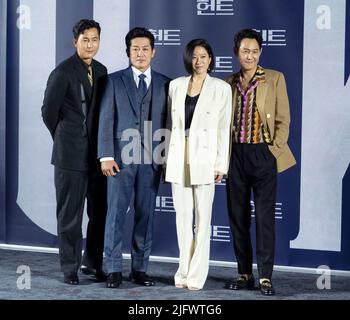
234, 99
97, 73
261, 92
156, 94
95, 76
130, 87
182, 92
203, 99
232, 81
82, 76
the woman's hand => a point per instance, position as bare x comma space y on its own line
218, 176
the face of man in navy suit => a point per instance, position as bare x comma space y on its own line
141, 53
87, 44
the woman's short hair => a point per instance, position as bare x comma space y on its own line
188, 54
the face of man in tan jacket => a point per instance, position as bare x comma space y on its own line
248, 56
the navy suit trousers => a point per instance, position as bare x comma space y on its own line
143, 181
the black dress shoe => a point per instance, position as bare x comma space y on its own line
241, 283
266, 288
97, 274
114, 280
141, 278
100, 276
71, 279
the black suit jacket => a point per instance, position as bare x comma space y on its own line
73, 129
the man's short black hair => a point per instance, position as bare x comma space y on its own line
138, 32
188, 54
84, 24
246, 33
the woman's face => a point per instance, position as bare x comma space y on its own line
200, 60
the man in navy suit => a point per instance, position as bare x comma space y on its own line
133, 107
70, 112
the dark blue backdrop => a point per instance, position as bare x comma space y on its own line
3, 23
174, 23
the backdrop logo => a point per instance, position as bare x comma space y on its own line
220, 233
223, 64
215, 7
24, 280
167, 37
278, 210
273, 37
324, 280
24, 18
164, 204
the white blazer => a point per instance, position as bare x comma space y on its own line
209, 133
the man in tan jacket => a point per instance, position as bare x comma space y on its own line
259, 150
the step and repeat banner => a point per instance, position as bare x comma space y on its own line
308, 40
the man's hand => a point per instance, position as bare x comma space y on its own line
109, 168
218, 176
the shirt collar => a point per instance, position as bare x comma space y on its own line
258, 76
83, 63
137, 72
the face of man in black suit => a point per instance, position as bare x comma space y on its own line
87, 44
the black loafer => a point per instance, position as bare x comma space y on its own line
267, 288
97, 274
141, 278
114, 280
241, 283
71, 279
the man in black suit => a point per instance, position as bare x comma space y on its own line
70, 112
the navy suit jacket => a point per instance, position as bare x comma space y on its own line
119, 111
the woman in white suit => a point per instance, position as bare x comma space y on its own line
198, 156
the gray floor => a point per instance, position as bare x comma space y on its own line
46, 283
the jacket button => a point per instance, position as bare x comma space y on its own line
268, 116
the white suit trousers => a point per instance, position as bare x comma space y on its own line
194, 244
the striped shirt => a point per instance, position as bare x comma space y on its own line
248, 127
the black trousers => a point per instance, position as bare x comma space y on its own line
252, 168
72, 188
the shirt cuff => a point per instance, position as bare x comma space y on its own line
106, 159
